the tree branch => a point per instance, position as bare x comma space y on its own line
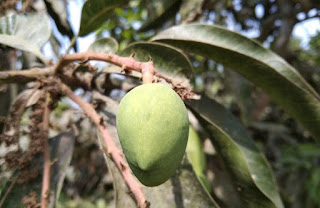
127, 64
30, 75
45, 192
112, 150
23, 76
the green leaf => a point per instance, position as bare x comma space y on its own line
25, 32
249, 169
104, 45
167, 59
195, 152
182, 190
197, 157
259, 65
159, 12
58, 11
61, 149
95, 13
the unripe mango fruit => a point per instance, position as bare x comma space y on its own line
153, 128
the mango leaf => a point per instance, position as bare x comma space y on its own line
104, 45
159, 12
247, 166
57, 9
61, 149
195, 152
182, 190
25, 32
259, 65
197, 157
95, 13
167, 59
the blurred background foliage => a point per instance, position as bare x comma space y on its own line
293, 155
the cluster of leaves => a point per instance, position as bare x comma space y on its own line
201, 52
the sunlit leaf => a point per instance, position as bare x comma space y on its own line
251, 173
104, 45
25, 32
259, 65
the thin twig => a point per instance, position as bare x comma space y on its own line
8, 191
73, 41
113, 151
45, 192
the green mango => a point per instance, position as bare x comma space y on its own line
153, 127
197, 157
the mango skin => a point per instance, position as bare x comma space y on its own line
153, 128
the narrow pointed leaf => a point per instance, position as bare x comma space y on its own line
104, 45
95, 13
251, 173
25, 32
259, 65
182, 190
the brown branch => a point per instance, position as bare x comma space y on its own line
127, 64
82, 80
112, 150
23, 76
45, 192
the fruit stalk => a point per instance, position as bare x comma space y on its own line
147, 73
